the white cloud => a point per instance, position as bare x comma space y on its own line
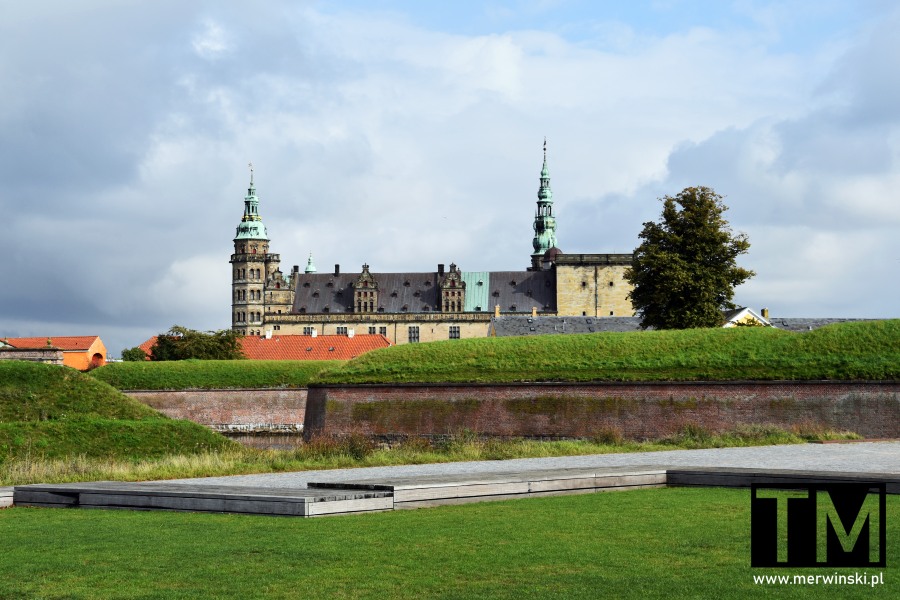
211, 43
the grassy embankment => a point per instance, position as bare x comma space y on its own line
858, 350
59, 425
664, 543
861, 350
55, 413
212, 374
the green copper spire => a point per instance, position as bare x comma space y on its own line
310, 267
544, 222
251, 226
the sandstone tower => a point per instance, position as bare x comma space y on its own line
258, 287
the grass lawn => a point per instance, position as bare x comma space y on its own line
637, 544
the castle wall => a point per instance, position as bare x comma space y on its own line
574, 410
593, 288
233, 410
432, 327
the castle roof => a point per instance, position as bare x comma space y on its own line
514, 291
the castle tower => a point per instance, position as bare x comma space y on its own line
257, 284
544, 222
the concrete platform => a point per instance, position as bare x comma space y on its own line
201, 498
6, 497
347, 491
745, 477
432, 490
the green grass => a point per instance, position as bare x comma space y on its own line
860, 350
211, 374
39, 392
638, 544
53, 412
150, 460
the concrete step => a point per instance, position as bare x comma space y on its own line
432, 490
203, 498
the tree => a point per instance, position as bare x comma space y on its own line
181, 343
135, 354
685, 271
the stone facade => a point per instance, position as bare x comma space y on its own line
420, 306
593, 285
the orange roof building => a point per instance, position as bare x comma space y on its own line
303, 347
80, 352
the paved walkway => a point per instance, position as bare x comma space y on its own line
857, 457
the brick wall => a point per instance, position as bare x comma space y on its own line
637, 410
267, 410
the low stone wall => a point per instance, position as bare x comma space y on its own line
573, 410
233, 410
51, 356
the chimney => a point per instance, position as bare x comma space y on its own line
534, 311
337, 269
296, 268
765, 314
441, 269
496, 310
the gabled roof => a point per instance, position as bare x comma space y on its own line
70, 343
514, 291
743, 315
303, 347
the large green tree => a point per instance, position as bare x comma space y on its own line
181, 343
685, 269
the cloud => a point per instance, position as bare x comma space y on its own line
384, 137
212, 42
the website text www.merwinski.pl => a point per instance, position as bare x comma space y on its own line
864, 578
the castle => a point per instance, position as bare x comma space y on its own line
447, 303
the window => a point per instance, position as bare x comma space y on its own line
382, 331
454, 332
308, 330
371, 330
342, 330
413, 334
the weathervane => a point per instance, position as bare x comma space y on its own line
251, 169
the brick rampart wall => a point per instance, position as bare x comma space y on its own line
636, 410
267, 410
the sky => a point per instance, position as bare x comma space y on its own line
404, 134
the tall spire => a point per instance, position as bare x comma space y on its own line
251, 226
310, 267
544, 222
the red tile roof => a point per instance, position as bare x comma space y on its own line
64, 343
303, 347
306, 347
